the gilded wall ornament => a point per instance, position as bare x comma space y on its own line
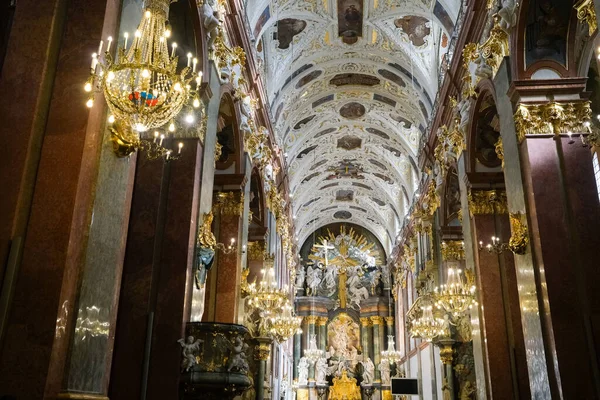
500, 150
496, 47
453, 250
586, 14
519, 239
482, 202
230, 203
256, 251
551, 118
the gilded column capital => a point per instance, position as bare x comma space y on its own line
482, 202
552, 118
230, 203
262, 351
453, 250
389, 321
587, 14
366, 321
377, 320
311, 319
446, 354
322, 321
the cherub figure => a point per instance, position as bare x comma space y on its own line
189, 350
238, 359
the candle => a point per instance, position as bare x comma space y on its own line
189, 57
162, 137
126, 37
195, 63
109, 44
100, 47
155, 136
180, 147
174, 45
94, 62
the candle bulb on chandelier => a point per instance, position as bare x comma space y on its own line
570, 134
174, 46
195, 62
180, 147
110, 39
162, 137
199, 80
100, 47
126, 39
189, 57
94, 62
155, 136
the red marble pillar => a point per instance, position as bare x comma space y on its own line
564, 213
504, 346
223, 281
157, 276
50, 155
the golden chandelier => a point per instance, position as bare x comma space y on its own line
142, 85
285, 324
457, 295
267, 298
427, 326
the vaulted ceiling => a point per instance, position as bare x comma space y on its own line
351, 85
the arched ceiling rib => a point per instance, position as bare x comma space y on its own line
351, 83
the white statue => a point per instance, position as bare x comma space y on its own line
245, 117
300, 278
369, 372
321, 371
356, 292
384, 370
447, 331
268, 175
329, 278
464, 109
313, 280
312, 342
238, 358
189, 350
303, 371
483, 69
508, 14
211, 21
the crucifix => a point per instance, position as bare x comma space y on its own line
325, 246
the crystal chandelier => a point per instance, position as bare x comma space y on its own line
313, 353
267, 298
391, 354
456, 296
286, 324
427, 327
143, 87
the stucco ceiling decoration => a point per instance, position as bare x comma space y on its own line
351, 83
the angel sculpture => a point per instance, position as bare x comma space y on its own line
238, 359
189, 350
321, 371
303, 371
369, 372
211, 21
384, 370
508, 14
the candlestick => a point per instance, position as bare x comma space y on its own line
195, 62
189, 57
110, 39
155, 136
126, 38
162, 137
100, 47
174, 45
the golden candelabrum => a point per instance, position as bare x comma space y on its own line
143, 86
391, 354
457, 295
427, 326
285, 324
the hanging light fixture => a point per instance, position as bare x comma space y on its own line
313, 353
143, 87
427, 327
391, 354
267, 298
285, 324
457, 295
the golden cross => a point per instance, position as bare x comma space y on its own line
326, 247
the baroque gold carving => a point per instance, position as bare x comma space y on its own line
311, 319
551, 118
587, 14
453, 250
230, 203
446, 354
377, 320
255, 251
519, 240
366, 321
205, 236
500, 150
496, 47
483, 202
345, 388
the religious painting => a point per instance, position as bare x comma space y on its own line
392, 150
304, 121
392, 77
452, 204
383, 99
325, 132
262, 20
352, 110
343, 337
349, 142
487, 135
354, 79
416, 28
401, 120
306, 79
342, 215
350, 20
346, 169
546, 31
306, 151
377, 132
323, 100
377, 163
442, 15
344, 195
287, 28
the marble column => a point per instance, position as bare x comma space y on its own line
262, 352
378, 332
322, 332
224, 279
51, 157
365, 335
297, 353
389, 324
498, 295
311, 321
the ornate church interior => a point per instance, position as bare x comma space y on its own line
299, 199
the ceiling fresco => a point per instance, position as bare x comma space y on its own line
350, 84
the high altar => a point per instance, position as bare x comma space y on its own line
343, 295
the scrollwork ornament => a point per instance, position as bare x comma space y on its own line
587, 14
519, 239
551, 118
